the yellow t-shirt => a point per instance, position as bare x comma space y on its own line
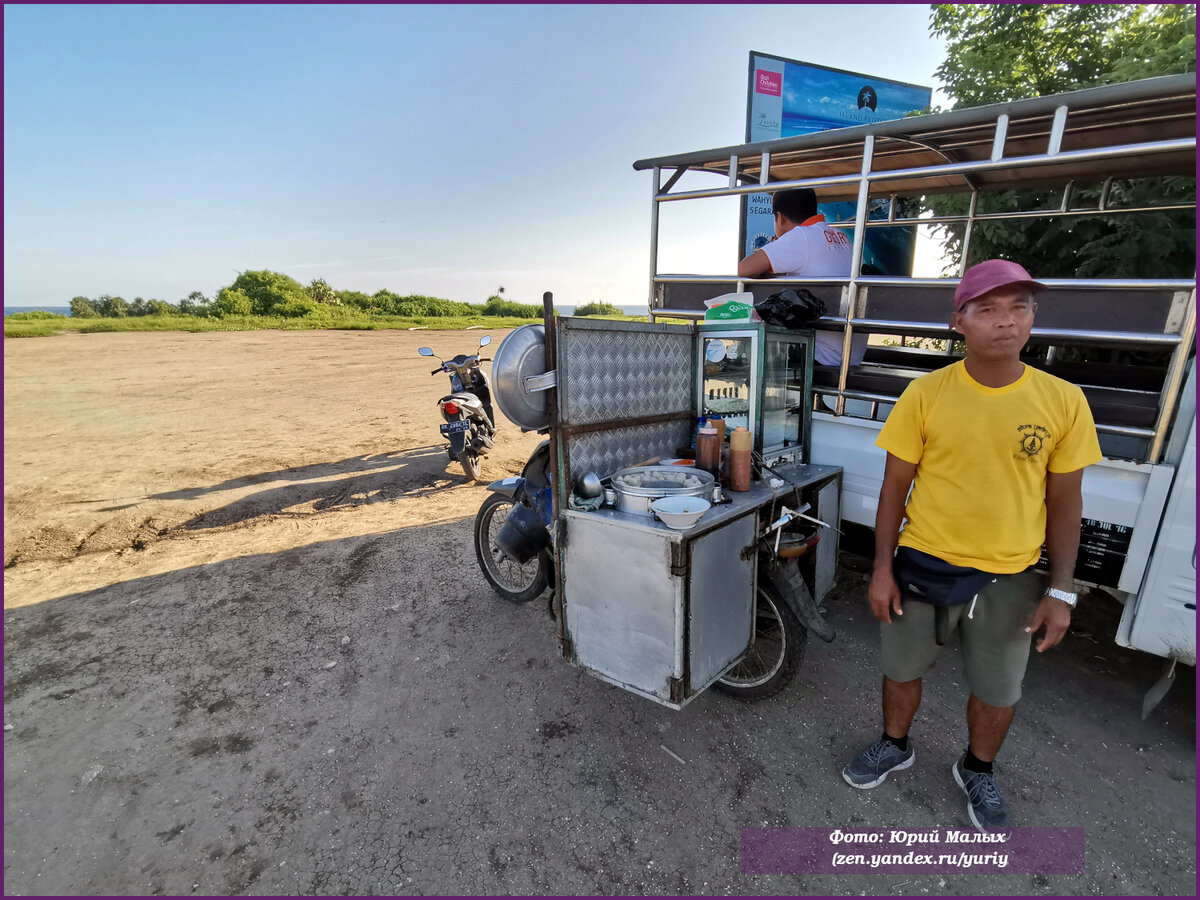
979, 497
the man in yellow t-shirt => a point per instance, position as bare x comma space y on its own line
994, 452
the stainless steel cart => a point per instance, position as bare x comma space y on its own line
662, 612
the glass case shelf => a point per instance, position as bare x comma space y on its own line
759, 377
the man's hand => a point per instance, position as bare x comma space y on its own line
1055, 616
884, 595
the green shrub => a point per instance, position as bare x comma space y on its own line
498, 306
598, 308
232, 302
356, 299
268, 290
294, 307
417, 305
33, 315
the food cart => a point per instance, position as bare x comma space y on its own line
666, 611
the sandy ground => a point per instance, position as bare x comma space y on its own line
248, 650
141, 453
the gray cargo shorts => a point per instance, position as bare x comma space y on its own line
992, 638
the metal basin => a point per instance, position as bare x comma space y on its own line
640, 486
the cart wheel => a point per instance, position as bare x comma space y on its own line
514, 581
771, 660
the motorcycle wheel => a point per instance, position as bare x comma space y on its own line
515, 582
770, 662
471, 465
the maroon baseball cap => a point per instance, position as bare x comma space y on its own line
989, 275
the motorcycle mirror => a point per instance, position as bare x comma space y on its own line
425, 351
485, 340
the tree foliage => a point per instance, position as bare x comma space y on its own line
195, 304
321, 292
271, 294
1003, 52
232, 302
83, 308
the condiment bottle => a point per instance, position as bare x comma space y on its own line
708, 451
718, 422
740, 445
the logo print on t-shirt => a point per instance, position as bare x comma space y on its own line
1032, 438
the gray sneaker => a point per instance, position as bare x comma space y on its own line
985, 806
873, 764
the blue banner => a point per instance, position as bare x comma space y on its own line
787, 98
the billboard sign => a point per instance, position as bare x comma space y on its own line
787, 98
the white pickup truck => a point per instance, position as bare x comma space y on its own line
1128, 343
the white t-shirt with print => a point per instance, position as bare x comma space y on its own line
816, 249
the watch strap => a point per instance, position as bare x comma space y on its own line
1067, 597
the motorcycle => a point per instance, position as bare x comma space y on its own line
512, 531
467, 410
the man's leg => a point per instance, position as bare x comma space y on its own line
900, 702
995, 651
987, 726
907, 650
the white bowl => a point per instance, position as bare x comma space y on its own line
680, 512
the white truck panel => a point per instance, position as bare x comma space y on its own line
1162, 618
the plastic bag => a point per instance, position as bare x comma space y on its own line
791, 308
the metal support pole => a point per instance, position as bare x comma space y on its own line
966, 247
1000, 137
861, 213
654, 184
1057, 130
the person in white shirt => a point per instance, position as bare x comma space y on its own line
805, 245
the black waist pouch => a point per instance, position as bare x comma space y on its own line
927, 579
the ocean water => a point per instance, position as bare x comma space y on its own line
61, 310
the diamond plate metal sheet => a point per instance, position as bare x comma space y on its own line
607, 452
606, 375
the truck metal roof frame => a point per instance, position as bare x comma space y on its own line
1135, 129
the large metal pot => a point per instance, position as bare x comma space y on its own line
640, 486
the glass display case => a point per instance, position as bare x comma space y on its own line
760, 377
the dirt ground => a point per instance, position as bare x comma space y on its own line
248, 650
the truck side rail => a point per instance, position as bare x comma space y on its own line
1123, 319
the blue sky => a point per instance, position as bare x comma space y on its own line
445, 150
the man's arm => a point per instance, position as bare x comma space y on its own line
1064, 509
883, 592
756, 265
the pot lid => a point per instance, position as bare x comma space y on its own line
521, 355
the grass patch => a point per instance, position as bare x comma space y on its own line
22, 325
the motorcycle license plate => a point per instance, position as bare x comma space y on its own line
456, 426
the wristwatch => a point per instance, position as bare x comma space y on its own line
1066, 597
